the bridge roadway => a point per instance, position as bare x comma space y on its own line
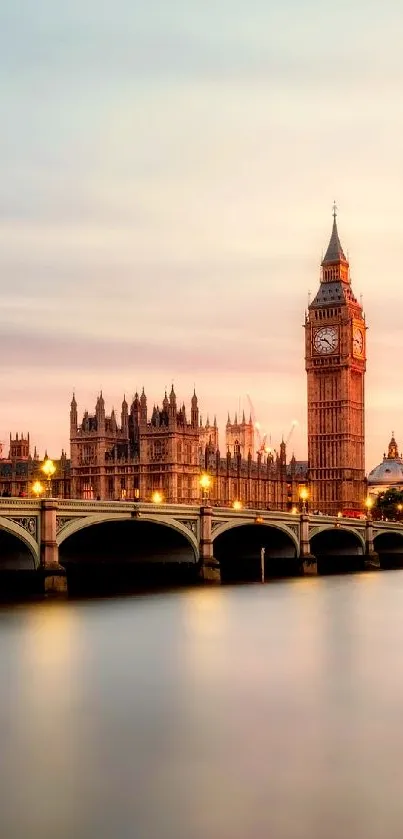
43, 526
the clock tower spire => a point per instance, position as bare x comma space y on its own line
335, 363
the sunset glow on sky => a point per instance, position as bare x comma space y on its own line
167, 178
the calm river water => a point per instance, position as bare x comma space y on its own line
250, 712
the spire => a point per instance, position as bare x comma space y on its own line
194, 411
334, 251
335, 282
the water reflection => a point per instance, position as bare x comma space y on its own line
233, 712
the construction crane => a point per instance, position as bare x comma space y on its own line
291, 431
263, 447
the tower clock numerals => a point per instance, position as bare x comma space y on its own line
326, 340
358, 341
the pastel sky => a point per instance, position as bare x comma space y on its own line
167, 172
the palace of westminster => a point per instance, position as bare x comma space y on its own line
161, 452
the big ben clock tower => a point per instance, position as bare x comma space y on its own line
335, 365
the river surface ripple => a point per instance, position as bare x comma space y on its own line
248, 712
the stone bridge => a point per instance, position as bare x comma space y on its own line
40, 531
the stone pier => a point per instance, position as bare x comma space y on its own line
309, 563
209, 567
371, 557
55, 580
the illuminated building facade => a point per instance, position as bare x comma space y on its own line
166, 451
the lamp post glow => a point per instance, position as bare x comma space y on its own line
49, 469
304, 495
205, 484
157, 497
37, 489
368, 505
237, 505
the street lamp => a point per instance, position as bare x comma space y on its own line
205, 484
368, 503
304, 495
157, 497
37, 489
399, 510
237, 505
49, 469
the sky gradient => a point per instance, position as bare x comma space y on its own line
166, 186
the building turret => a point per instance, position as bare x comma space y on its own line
240, 435
135, 409
283, 455
100, 412
194, 412
143, 408
73, 415
172, 406
19, 447
393, 452
125, 417
165, 403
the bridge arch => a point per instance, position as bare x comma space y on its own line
337, 548
316, 531
237, 545
388, 544
20, 534
230, 525
82, 522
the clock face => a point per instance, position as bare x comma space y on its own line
358, 341
326, 340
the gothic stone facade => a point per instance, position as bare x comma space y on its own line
167, 451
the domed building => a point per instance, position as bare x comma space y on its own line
389, 473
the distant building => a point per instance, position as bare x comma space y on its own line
389, 473
168, 450
20, 470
